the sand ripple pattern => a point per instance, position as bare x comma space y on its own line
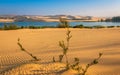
37, 69
7, 62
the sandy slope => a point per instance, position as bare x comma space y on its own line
85, 44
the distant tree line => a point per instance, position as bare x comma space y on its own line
116, 19
113, 19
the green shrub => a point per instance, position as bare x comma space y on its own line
5, 27
47, 27
78, 26
22, 27
10, 27
32, 27
89, 27
40, 27
117, 26
98, 26
110, 26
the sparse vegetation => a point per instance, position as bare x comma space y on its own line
79, 26
118, 26
110, 26
62, 44
89, 27
30, 54
61, 25
65, 48
39, 27
10, 27
95, 61
98, 26
82, 71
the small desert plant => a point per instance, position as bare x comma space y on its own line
62, 44
95, 61
54, 59
75, 65
80, 69
22, 49
65, 48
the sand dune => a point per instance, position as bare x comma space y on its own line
85, 44
6, 20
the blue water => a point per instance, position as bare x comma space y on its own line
56, 23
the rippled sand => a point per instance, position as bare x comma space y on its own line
85, 44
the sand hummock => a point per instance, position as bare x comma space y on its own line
43, 43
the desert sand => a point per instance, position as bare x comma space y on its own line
43, 43
6, 20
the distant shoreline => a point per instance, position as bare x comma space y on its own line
12, 20
15, 27
6, 20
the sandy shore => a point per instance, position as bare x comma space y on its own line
85, 44
6, 20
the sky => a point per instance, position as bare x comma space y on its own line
100, 8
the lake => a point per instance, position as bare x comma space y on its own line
56, 23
